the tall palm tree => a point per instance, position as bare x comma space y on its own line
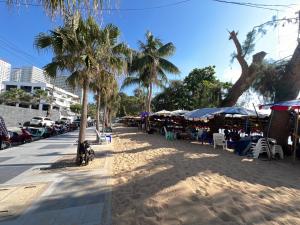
74, 46
111, 57
150, 65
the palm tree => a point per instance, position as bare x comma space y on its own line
74, 46
149, 66
40, 95
111, 57
54, 7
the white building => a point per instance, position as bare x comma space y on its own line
29, 74
61, 82
5, 69
62, 99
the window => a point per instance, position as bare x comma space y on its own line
26, 88
37, 118
8, 87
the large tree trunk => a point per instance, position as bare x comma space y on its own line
248, 74
83, 121
280, 126
98, 113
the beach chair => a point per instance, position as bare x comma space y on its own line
219, 140
168, 134
277, 149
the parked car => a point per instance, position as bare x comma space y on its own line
65, 120
37, 132
41, 121
77, 122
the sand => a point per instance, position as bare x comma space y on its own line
156, 181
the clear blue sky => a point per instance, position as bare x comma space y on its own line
198, 29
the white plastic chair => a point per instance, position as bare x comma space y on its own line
277, 149
261, 147
219, 140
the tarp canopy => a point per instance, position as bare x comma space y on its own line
208, 113
282, 106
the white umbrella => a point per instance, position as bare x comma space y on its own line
179, 112
162, 113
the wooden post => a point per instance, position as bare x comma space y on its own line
295, 136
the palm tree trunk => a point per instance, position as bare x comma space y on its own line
104, 115
83, 121
149, 106
98, 113
149, 98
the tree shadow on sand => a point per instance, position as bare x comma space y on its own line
262, 182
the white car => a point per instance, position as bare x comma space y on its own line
41, 121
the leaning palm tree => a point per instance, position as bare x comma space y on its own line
149, 67
74, 46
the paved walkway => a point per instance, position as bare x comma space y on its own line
72, 197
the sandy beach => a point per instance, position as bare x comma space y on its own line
156, 181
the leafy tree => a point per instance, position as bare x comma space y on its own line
16, 96
40, 95
129, 105
76, 108
199, 89
92, 110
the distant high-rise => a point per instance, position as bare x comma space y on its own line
5, 69
30, 74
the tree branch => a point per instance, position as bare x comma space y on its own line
239, 56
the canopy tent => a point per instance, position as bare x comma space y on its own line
162, 113
208, 113
179, 112
282, 106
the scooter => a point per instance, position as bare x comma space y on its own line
86, 153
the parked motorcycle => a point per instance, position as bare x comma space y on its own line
21, 137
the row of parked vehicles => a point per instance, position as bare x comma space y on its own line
38, 128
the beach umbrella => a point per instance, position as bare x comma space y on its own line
201, 114
162, 113
179, 112
208, 113
282, 106
241, 112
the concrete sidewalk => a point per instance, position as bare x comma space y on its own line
72, 197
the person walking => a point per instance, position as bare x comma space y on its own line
3, 131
